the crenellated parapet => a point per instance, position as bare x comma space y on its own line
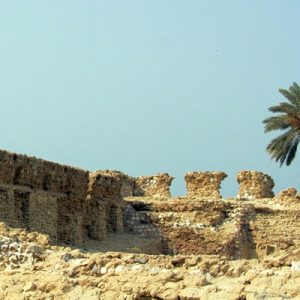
156, 186
254, 185
204, 184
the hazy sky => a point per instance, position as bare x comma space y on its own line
148, 86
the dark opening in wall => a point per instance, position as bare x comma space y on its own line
18, 173
89, 231
46, 182
112, 219
21, 206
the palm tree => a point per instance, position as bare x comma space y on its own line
284, 147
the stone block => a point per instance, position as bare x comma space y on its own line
153, 186
254, 185
204, 184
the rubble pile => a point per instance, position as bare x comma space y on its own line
20, 248
60, 272
254, 185
204, 184
14, 253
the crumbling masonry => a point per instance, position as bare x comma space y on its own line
155, 186
204, 184
254, 185
65, 202
72, 205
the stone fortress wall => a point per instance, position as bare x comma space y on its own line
72, 205
65, 202
254, 224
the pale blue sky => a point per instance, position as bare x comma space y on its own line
148, 86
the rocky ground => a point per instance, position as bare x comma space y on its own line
32, 268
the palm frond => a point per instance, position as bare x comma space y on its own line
293, 94
284, 107
284, 147
279, 146
276, 123
295, 91
292, 150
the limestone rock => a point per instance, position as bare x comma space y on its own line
287, 196
254, 185
290, 192
204, 184
155, 186
29, 287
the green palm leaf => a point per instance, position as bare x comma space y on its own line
284, 107
284, 147
278, 122
293, 94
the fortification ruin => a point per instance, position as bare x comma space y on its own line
73, 205
59, 200
204, 184
254, 185
155, 186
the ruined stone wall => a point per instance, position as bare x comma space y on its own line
140, 223
32, 209
36, 187
275, 230
43, 213
232, 228
186, 227
204, 184
287, 196
71, 204
254, 185
64, 202
105, 205
156, 186
127, 183
67, 203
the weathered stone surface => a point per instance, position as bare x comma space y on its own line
254, 185
204, 184
33, 189
127, 183
290, 192
116, 275
67, 203
228, 249
156, 186
235, 229
104, 204
287, 196
215, 239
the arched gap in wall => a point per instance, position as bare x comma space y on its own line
18, 173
